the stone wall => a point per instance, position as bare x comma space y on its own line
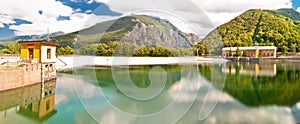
49, 71
24, 75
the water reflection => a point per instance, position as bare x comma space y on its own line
263, 86
115, 107
277, 85
266, 69
246, 97
35, 102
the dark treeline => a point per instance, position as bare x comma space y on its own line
125, 49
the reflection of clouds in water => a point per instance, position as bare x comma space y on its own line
228, 110
298, 105
223, 98
296, 112
60, 98
187, 89
238, 113
65, 89
85, 88
114, 117
89, 89
65, 83
107, 115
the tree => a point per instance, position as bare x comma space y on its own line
68, 50
60, 51
200, 48
12, 48
103, 50
230, 52
88, 49
238, 52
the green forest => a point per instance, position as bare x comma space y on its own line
256, 27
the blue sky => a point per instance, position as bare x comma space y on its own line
28, 17
296, 4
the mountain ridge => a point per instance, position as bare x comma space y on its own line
32, 37
140, 30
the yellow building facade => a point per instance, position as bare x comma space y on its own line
255, 51
40, 51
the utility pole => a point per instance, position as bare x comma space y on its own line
48, 35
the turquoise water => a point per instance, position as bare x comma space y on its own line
204, 93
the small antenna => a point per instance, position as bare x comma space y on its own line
48, 35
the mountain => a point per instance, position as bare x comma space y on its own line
287, 12
54, 34
23, 37
138, 30
33, 37
280, 28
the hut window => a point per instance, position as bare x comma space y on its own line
48, 53
47, 105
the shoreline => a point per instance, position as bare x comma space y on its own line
70, 62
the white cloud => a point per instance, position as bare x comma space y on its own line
202, 15
77, 22
298, 9
6, 19
221, 11
90, 1
29, 11
42, 24
30, 8
1, 25
220, 18
240, 5
103, 1
51, 10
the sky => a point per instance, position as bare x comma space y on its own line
29, 17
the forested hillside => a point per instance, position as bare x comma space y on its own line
279, 28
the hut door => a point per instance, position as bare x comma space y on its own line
30, 50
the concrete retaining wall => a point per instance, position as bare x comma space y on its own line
14, 77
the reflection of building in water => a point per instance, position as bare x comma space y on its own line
33, 101
251, 69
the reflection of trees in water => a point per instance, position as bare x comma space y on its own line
252, 90
138, 74
140, 77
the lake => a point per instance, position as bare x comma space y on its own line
188, 94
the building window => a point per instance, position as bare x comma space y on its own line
48, 53
47, 105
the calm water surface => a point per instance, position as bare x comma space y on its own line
244, 93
